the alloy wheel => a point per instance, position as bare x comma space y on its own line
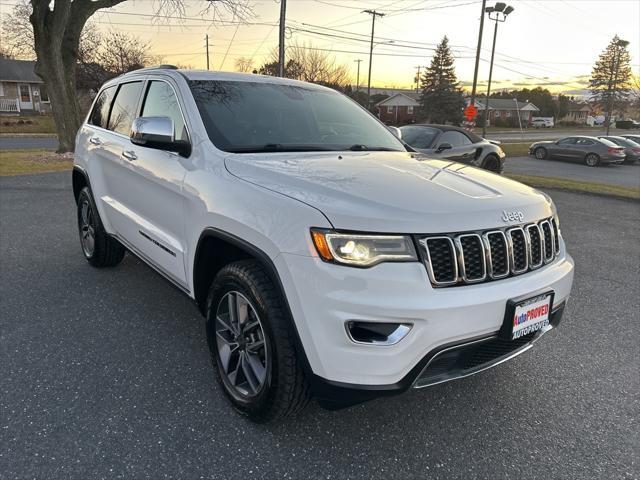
540, 153
87, 228
591, 160
241, 344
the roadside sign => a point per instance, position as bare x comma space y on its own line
470, 112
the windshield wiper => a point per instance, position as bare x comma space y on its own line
358, 147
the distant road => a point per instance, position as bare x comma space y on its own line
28, 143
533, 134
619, 175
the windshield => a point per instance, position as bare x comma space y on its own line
244, 117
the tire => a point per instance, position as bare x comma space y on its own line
540, 153
592, 160
98, 247
255, 359
492, 163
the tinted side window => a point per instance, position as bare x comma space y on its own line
123, 111
100, 113
161, 101
584, 141
455, 139
419, 137
567, 141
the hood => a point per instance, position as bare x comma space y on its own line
398, 192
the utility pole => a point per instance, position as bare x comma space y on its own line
475, 70
206, 40
373, 14
358, 61
418, 67
283, 14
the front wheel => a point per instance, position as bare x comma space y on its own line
98, 247
252, 344
540, 153
592, 160
492, 163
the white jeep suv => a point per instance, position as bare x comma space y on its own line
329, 259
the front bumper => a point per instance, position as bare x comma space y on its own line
324, 297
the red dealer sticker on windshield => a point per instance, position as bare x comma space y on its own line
531, 315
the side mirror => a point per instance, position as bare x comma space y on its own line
157, 132
396, 132
443, 146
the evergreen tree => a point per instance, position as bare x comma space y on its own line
611, 75
442, 99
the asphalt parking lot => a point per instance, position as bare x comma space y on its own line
106, 374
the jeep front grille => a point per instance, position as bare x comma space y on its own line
463, 258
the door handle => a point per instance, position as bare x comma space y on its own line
130, 155
95, 140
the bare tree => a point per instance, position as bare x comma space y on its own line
57, 29
244, 64
310, 64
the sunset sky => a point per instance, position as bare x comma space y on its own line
551, 43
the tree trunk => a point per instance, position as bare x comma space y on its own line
58, 71
57, 41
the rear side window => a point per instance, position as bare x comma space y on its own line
161, 101
100, 113
453, 138
123, 111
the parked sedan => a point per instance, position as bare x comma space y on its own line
591, 151
454, 143
633, 138
631, 148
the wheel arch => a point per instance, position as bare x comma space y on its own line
213, 243
79, 180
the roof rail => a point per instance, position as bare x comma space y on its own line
159, 67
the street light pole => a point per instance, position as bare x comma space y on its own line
373, 14
500, 12
620, 44
475, 70
358, 61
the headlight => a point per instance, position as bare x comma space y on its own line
363, 250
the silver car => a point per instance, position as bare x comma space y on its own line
591, 151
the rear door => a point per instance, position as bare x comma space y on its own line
150, 192
114, 171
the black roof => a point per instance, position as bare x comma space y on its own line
445, 128
18, 71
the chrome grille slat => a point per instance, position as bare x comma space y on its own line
497, 253
517, 240
536, 245
474, 257
549, 241
471, 257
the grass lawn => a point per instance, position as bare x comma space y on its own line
516, 149
40, 124
23, 162
577, 186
